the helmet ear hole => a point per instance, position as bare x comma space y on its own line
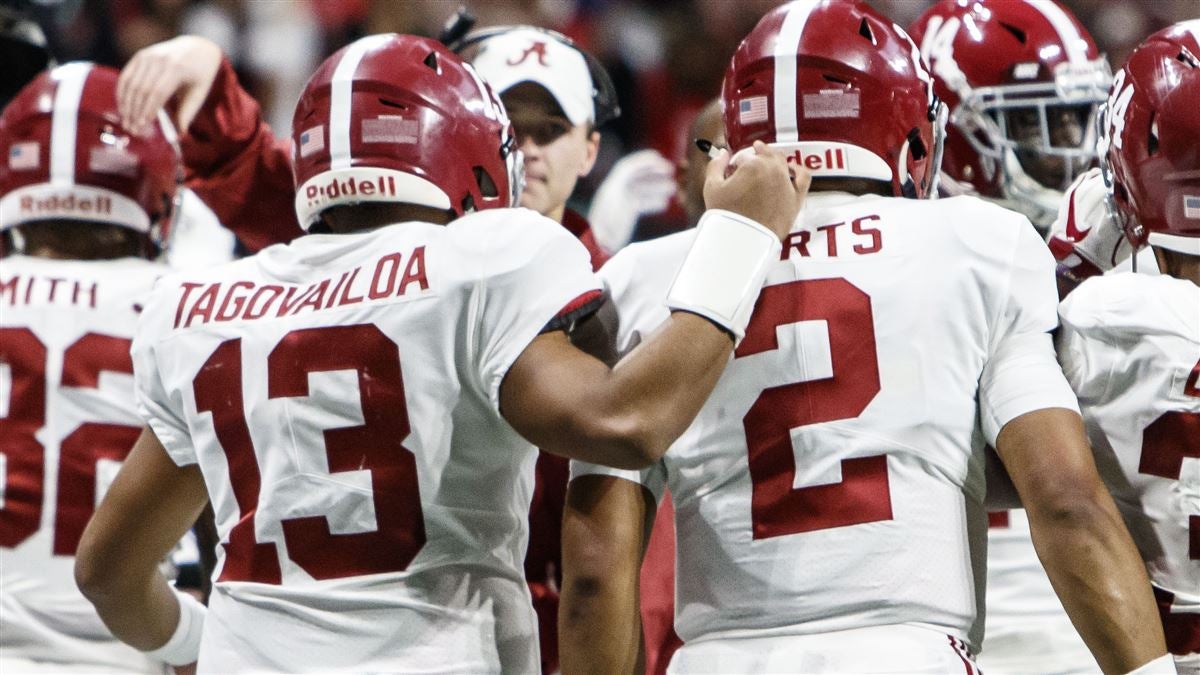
487, 186
916, 146
1016, 32
432, 62
864, 29
1152, 140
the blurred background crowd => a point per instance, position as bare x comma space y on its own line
666, 57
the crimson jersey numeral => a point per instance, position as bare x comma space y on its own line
863, 495
1170, 438
24, 457
374, 445
79, 451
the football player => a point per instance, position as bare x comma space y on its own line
1130, 344
1022, 79
829, 495
235, 163
1086, 238
87, 203
362, 404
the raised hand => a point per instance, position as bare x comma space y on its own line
181, 70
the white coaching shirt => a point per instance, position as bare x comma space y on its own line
1130, 345
834, 479
67, 420
349, 384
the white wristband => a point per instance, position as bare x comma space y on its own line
723, 273
183, 647
1163, 665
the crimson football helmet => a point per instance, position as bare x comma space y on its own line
399, 118
1022, 79
840, 89
67, 157
1151, 159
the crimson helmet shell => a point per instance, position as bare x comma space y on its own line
839, 88
399, 118
1151, 160
989, 56
65, 155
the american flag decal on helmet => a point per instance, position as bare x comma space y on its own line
24, 156
753, 109
312, 140
1191, 207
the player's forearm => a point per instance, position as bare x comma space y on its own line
599, 619
1097, 572
599, 628
573, 405
660, 386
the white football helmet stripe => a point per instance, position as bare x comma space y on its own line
787, 121
1073, 42
342, 87
64, 122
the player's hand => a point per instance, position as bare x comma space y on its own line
762, 187
1085, 239
189, 669
181, 70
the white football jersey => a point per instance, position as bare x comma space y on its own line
340, 395
834, 479
67, 421
1130, 346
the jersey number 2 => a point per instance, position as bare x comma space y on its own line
863, 495
374, 445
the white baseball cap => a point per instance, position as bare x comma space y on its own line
529, 55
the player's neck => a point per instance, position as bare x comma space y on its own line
1178, 265
369, 216
70, 240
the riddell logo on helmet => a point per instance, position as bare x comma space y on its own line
73, 204
831, 159
379, 186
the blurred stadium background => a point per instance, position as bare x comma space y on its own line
665, 56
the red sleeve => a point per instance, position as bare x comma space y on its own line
577, 225
543, 558
599, 255
235, 164
658, 591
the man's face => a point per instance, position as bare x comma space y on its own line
1066, 125
557, 153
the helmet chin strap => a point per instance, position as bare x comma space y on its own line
939, 145
1025, 195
